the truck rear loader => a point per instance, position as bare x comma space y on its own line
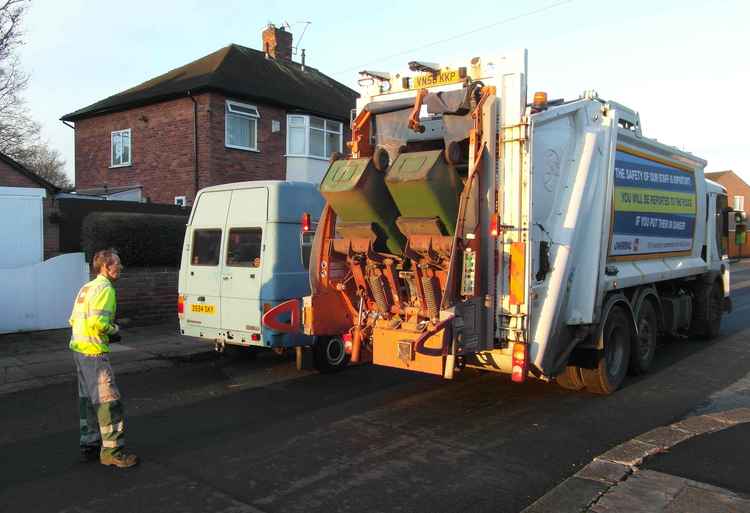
469, 228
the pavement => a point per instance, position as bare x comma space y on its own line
37, 359
696, 465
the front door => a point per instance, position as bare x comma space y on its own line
242, 264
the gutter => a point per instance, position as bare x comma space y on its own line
196, 177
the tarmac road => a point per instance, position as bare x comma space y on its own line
248, 436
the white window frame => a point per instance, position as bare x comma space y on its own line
112, 148
740, 203
232, 109
308, 130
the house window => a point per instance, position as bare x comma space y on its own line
739, 203
121, 148
310, 136
241, 126
180, 201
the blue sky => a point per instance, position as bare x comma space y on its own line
683, 65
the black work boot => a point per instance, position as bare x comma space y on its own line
121, 460
90, 453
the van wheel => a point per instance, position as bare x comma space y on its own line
708, 328
610, 371
570, 378
644, 347
330, 354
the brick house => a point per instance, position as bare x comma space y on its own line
738, 196
236, 114
13, 174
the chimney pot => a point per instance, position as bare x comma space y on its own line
277, 43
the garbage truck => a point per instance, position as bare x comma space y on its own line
472, 228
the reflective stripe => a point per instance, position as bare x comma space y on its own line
85, 339
114, 428
83, 423
90, 438
111, 444
102, 313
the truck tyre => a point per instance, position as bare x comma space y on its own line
329, 354
644, 345
570, 378
707, 323
613, 362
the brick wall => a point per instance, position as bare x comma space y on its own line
147, 295
162, 148
232, 165
10, 177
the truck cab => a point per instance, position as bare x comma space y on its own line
245, 251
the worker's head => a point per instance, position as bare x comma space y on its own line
107, 263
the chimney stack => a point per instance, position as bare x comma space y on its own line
277, 43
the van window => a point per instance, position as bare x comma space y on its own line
244, 247
206, 247
306, 244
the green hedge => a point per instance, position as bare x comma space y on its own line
142, 240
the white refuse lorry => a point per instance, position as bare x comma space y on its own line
549, 239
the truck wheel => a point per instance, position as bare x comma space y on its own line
613, 362
330, 354
570, 378
708, 328
644, 346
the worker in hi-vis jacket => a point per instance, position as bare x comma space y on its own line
93, 321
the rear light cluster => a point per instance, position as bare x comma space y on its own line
305, 222
181, 304
347, 339
520, 362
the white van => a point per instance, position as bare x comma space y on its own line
245, 251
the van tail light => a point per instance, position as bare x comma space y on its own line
255, 337
520, 362
180, 304
305, 222
347, 339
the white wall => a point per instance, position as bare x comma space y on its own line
40, 296
303, 169
21, 226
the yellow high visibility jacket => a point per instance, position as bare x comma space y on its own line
93, 317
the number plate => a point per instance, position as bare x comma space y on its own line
205, 309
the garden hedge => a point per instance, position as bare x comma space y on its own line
142, 240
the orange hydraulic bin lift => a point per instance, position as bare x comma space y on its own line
399, 243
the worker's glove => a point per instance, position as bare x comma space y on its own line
115, 336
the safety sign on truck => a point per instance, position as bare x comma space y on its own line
654, 207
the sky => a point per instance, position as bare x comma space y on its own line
683, 65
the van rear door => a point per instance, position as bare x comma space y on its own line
242, 261
202, 289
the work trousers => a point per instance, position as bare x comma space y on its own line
100, 408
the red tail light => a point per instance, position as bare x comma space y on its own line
255, 337
347, 339
520, 362
180, 304
495, 225
305, 221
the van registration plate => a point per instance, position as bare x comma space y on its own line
205, 309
